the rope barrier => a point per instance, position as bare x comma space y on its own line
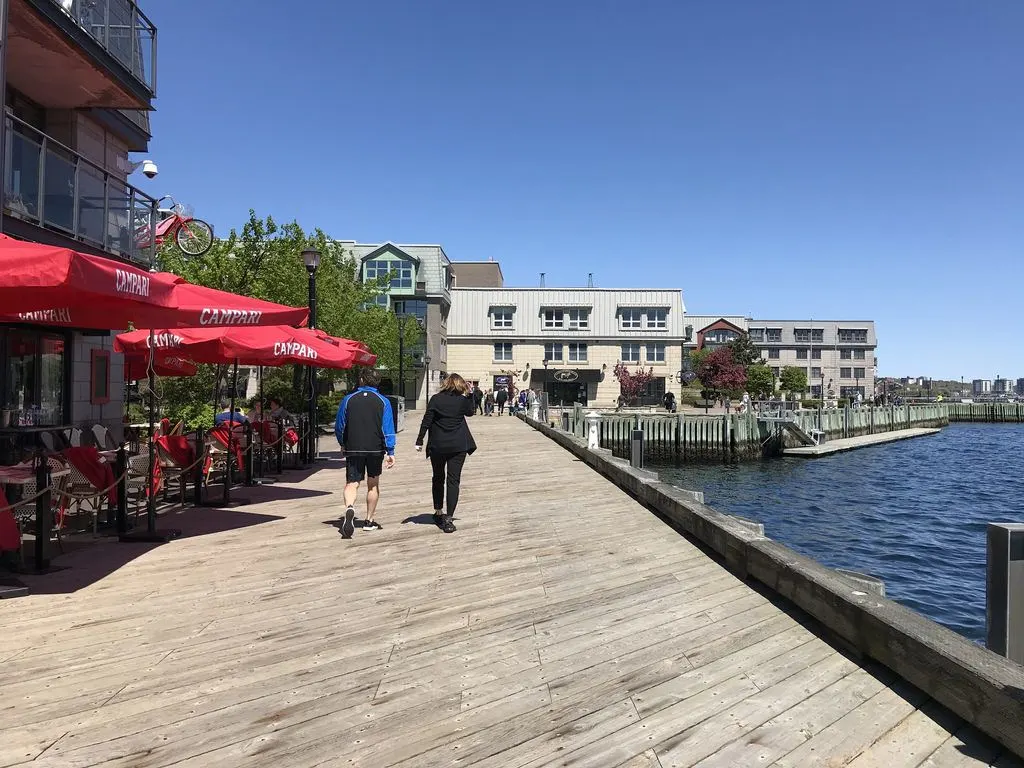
96, 495
25, 502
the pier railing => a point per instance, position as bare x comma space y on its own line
998, 412
743, 435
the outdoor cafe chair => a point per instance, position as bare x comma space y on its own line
25, 511
171, 471
79, 485
137, 482
104, 440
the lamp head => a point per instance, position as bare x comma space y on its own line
311, 257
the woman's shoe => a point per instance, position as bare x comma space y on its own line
447, 525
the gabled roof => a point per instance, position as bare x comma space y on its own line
390, 247
721, 323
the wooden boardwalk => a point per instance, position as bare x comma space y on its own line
563, 624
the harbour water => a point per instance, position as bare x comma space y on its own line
912, 513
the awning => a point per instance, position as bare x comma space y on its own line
538, 376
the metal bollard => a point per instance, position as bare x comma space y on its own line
636, 457
44, 517
593, 430
1005, 590
248, 456
199, 471
122, 491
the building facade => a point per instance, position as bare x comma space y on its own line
981, 386
565, 341
836, 354
79, 82
420, 291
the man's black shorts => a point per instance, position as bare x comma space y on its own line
360, 466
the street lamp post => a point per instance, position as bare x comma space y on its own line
311, 258
402, 320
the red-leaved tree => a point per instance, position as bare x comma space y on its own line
719, 372
632, 385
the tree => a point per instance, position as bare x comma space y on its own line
632, 385
721, 373
793, 379
760, 380
744, 351
264, 260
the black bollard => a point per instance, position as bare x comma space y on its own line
248, 455
121, 463
279, 448
197, 478
44, 523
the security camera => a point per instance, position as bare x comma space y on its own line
149, 169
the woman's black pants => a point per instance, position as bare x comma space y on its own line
450, 464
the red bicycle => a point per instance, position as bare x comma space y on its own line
193, 236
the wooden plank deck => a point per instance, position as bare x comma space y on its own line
563, 624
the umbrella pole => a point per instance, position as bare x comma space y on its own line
151, 534
261, 479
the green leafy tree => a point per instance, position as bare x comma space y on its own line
264, 260
744, 351
760, 381
793, 379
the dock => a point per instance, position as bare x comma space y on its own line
851, 443
562, 624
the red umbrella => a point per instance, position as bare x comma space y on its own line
58, 286
136, 367
260, 345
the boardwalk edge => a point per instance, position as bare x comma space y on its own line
983, 688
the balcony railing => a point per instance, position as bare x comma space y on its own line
122, 30
52, 186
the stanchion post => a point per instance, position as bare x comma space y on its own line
121, 462
197, 478
1005, 590
636, 456
43, 514
279, 448
248, 455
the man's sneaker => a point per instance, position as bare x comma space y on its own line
447, 525
348, 527
372, 525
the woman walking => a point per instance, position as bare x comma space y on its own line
449, 444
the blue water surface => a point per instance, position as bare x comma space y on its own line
912, 513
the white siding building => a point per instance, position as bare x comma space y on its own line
565, 341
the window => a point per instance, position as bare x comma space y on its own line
773, 354
858, 354
99, 377
845, 373
417, 309
656, 353
773, 335
815, 354
756, 335
577, 353
33, 381
815, 373
554, 318
631, 353
630, 318
858, 373
579, 319
553, 352
808, 335
720, 336
400, 271
657, 318
801, 354
503, 352
501, 318
853, 335
845, 354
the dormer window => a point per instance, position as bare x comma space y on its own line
501, 318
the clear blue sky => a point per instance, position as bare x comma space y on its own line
780, 159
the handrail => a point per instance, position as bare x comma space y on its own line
54, 186
98, 18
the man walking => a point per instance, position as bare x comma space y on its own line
501, 397
478, 399
365, 428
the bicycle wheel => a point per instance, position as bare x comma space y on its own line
194, 237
